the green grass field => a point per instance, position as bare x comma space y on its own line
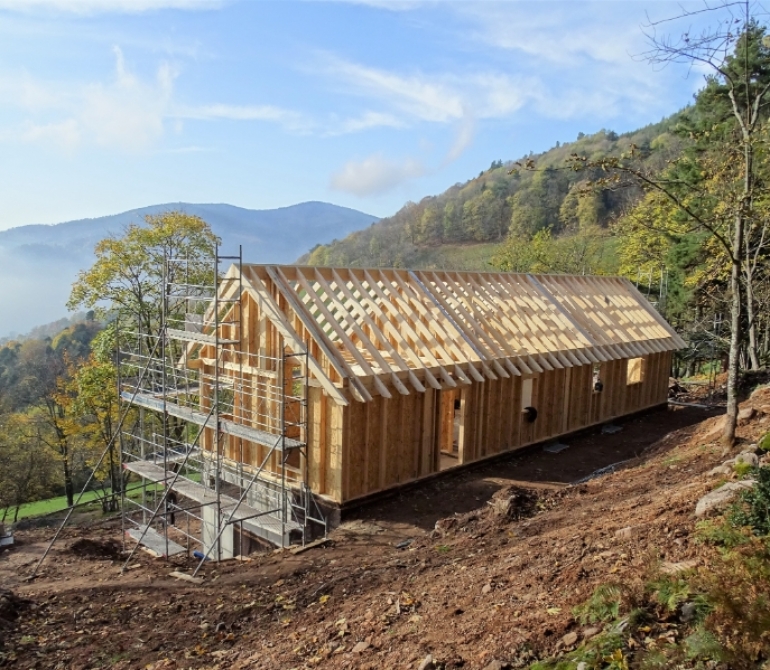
457, 256
59, 504
42, 507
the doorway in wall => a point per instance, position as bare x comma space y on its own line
449, 429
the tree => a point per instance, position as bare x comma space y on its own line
27, 467
97, 408
127, 277
717, 193
44, 374
579, 253
128, 280
740, 61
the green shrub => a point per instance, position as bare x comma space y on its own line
742, 469
602, 606
753, 506
764, 442
702, 645
670, 592
722, 535
737, 585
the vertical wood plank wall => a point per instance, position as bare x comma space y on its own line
368, 447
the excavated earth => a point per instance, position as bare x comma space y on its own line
479, 566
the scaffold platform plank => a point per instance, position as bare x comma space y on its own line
193, 336
200, 419
203, 495
154, 540
149, 470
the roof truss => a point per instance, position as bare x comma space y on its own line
403, 331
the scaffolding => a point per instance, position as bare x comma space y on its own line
220, 441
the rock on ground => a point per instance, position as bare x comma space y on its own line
720, 498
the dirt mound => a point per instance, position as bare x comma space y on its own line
99, 549
510, 504
11, 607
515, 503
494, 585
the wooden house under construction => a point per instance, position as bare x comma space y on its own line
412, 372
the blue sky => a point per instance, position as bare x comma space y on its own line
107, 105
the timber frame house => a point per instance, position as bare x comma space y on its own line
306, 389
411, 372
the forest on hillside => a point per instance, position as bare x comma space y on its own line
658, 205
505, 201
40, 455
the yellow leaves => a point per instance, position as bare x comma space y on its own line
342, 627
617, 660
324, 599
553, 611
406, 600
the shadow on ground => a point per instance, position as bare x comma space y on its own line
417, 507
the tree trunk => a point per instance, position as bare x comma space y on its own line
69, 488
731, 418
751, 316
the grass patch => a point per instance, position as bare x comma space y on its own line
456, 256
49, 506
59, 503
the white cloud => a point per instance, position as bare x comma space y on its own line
415, 95
579, 55
106, 6
366, 121
391, 5
438, 98
464, 138
292, 120
563, 33
126, 112
289, 119
65, 134
375, 175
446, 98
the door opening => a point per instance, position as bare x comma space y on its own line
451, 408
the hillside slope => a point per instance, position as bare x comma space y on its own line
38, 263
483, 210
492, 586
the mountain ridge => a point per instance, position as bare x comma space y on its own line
39, 262
507, 198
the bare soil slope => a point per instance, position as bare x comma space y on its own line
480, 566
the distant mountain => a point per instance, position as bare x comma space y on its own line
38, 263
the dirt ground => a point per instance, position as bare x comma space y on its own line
478, 565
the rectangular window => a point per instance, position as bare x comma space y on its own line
596, 378
526, 393
635, 371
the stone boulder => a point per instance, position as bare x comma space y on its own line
747, 457
720, 498
746, 415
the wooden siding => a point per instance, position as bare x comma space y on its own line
390, 441
392, 352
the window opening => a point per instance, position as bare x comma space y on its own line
596, 380
635, 371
